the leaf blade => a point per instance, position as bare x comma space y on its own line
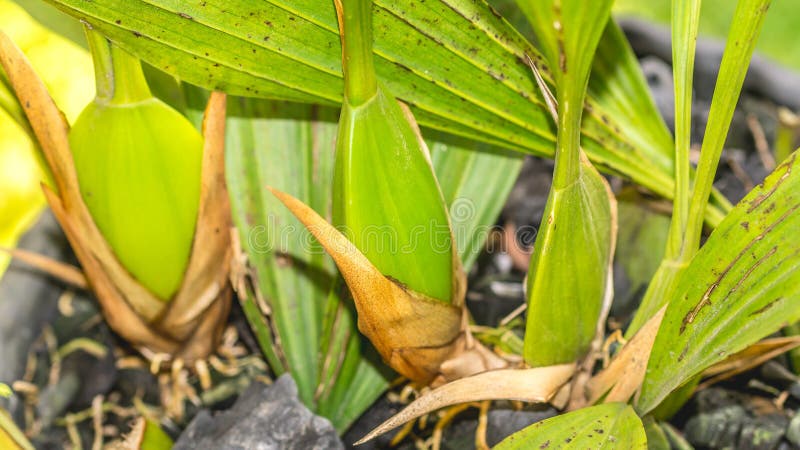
613, 424
735, 291
468, 77
475, 179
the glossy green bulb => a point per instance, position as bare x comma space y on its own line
388, 200
138, 163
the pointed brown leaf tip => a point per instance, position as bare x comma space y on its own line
624, 376
412, 333
340, 20
62, 271
531, 385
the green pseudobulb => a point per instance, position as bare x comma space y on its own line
138, 163
388, 198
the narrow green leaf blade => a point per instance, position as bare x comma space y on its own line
745, 28
611, 425
685, 23
741, 286
686, 229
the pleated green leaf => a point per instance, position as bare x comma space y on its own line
351, 376
292, 146
458, 64
475, 179
618, 90
741, 287
569, 277
611, 425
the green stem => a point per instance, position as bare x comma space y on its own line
118, 74
794, 354
360, 83
567, 160
785, 136
686, 229
685, 23
747, 22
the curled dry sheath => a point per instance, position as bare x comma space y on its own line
187, 327
427, 341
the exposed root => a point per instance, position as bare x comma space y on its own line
402, 434
203, 374
97, 422
533, 385
445, 419
613, 338
483, 423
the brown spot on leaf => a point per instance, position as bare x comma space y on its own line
683, 353
751, 269
763, 197
765, 307
705, 301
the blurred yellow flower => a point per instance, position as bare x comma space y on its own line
67, 71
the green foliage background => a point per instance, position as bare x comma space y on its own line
775, 42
